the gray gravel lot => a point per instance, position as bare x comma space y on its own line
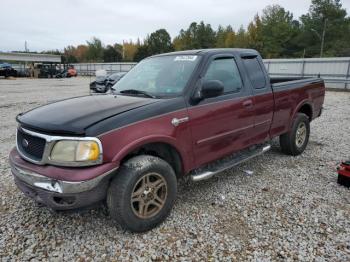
290, 208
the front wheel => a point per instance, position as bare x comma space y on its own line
142, 194
295, 141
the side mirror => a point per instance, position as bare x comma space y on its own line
211, 88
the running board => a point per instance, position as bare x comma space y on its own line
230, 161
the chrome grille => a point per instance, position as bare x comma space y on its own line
31, 146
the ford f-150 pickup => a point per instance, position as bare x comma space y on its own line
190, 113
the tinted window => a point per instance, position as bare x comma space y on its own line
225, 70
255, 73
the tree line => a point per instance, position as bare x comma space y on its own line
275, 34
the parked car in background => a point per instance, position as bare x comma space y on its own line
45, 70
7, 70
192, 113
70, 71
23, 72
103, 84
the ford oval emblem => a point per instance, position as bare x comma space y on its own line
25, 143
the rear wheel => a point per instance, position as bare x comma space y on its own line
142, 194
295, 141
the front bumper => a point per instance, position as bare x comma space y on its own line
59, 194
63, 201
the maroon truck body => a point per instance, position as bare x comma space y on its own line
209, 129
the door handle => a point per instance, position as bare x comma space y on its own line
248, 103
178, 121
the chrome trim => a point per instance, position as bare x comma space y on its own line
209, 173
51, 141
57, 186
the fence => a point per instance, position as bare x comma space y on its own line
89, 69
335, 71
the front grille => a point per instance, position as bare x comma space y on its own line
31, 146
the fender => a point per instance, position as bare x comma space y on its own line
297, 108
147, 140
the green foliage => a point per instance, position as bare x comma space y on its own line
159, 42
95, 50
142, 52
225, 37
278, 31
275, 33
110, 54
330, 17
241, 40
197, 36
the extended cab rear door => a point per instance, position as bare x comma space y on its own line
263, 97
223, 124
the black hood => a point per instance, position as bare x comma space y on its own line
73, 116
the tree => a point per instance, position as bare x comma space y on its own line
81, 53
158, 42
329, 18
142, 52
197, 36
118, 48
255, 34
69, 55
110, 54
205, 36
241, 39
95, 50
182, 41
129, 50
274, 33
220, 37
230, 37
278, 31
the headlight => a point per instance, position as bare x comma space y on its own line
76, 151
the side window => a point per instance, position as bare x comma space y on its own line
225, 70
255, 73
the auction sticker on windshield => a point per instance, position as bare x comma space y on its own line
185, 58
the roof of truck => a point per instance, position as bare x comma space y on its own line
212, 51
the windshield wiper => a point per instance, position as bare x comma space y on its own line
136, 92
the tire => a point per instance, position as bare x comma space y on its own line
292, 143
131, 180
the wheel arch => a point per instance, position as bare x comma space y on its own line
304, 107
162, 147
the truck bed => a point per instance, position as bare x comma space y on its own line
292, 93
276, 80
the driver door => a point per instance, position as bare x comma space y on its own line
223, 124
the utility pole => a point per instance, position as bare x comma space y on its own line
123, 50
323, 35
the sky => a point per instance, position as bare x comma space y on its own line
48, 25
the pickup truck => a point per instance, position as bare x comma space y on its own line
182, 114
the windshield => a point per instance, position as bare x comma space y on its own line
164, 76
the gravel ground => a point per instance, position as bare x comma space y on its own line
290, 208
